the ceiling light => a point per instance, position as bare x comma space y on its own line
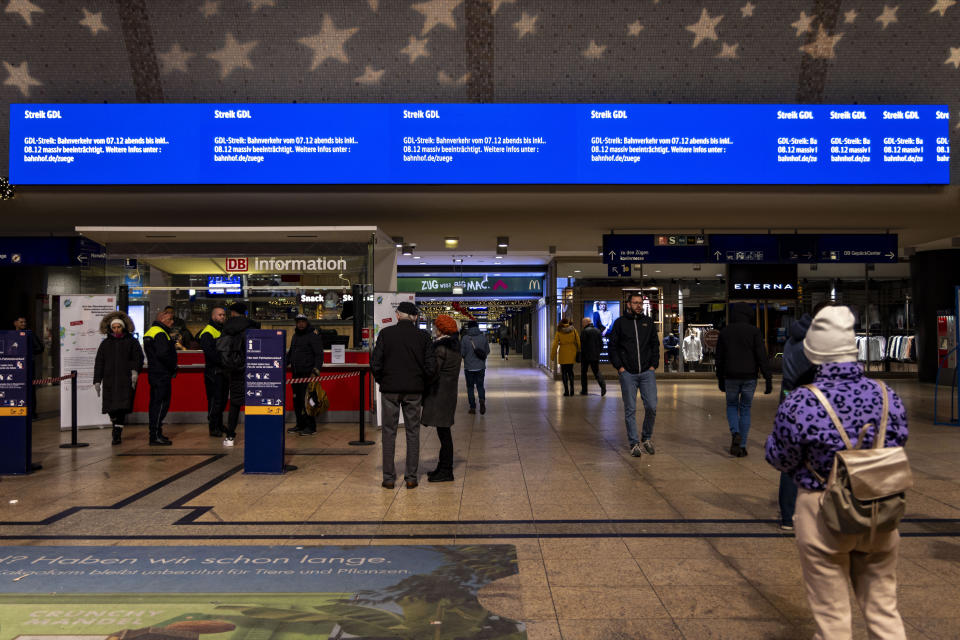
407, 250
719, 275
398, 242
458, 260
451, 242
416, 257
503, 241
423, 263
576, 270
657, 270
496, 275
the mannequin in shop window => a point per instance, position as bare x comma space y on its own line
671, 350
692, 348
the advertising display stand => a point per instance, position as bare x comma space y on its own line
264, 401
16, 376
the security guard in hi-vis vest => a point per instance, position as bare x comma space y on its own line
161, 369
214, 376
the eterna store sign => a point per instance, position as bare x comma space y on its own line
762, 282
285, 265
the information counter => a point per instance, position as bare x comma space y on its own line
189, 402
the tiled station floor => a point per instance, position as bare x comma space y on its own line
681, 544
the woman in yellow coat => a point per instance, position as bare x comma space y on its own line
567, 341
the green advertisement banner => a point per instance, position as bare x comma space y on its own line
486, 285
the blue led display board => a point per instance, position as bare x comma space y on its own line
69, 144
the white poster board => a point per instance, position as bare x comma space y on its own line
385, 315
80, 338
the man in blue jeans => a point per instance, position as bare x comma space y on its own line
635, 353
740, 353
474, 348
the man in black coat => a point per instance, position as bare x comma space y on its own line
214, 377
591, 345
161, 368
235, 329
740, 353
403, 364
634, 349
305, 358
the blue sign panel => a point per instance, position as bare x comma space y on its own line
16, 376
744, 248
858, 248
264, 395
477, 144
618, 269
626, 247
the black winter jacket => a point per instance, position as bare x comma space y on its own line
116, 359
740, 350
591, 344
440, 399
634, 343
161, 352
306, 352
238, 325
403, 360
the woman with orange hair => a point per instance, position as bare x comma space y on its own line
440, 398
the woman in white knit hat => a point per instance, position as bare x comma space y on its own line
803, 444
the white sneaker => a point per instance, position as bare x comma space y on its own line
228, 442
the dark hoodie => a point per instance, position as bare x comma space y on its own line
740, 350
797, 370
306, 351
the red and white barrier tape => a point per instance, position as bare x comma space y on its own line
52, 380
338, 376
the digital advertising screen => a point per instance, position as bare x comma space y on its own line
224, 285
216, 144
603, 313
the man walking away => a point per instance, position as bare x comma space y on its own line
475, 349
403, 364
305, 357
504, 337
797, 372
635, 353
232, 351
214, 376
591, 344
161, 369
740, 353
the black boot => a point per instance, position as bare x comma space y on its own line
117, 431
157, 439
442, 475
735, 444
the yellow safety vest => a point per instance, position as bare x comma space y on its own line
212, 330
154, 331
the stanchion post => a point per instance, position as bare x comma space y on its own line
73, 444
363, 415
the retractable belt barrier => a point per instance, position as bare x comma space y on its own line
42, 381
334, 376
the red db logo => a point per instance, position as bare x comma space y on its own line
235, 265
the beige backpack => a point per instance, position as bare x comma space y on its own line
865, 492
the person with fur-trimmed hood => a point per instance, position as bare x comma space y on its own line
117, 366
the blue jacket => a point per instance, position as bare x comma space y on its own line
474, 339
797, 370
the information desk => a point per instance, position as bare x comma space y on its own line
189, 401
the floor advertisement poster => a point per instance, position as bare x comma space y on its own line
80, 338
385, 315
266, 593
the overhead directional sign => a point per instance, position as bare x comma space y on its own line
753, 248
618, 269
857, 248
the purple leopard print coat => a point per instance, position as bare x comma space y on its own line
803, 431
